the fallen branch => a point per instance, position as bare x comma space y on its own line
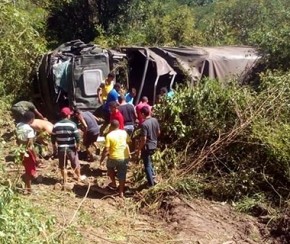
79, 206
66, 226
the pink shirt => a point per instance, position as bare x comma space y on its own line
138, 109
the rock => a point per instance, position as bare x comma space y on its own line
68, 186
57, 186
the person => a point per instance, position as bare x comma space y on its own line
143, 103
115, 114
112, 97
129, 114
108, 86
117, 150
165, 93
90, 129
66, 137
100, 93
40, 125
18, 110
131, 95
25, 136
150, 131
43, 128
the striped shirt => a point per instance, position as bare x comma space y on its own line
66, 134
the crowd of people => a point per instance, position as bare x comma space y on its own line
120, 119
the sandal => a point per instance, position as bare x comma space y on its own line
111, 187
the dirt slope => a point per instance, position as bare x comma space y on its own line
86, 214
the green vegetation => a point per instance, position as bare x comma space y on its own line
20, 43
21, 222
223, 141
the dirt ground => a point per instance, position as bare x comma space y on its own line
86, 213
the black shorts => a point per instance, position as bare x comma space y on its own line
89, 139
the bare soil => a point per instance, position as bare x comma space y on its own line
87, 213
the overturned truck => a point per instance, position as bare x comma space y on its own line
71, 74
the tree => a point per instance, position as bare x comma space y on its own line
20, 43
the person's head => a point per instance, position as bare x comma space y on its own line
28, 117
163, 91
121, 99
114, 124
144, 99
113, 106
117, 87
102, 85
110, 77
158, 98
133, 92
145, 111
77, 113
65, 112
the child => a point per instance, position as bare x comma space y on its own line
25, 135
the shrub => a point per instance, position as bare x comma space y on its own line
237, 138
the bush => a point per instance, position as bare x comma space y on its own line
237, 138
20, 44
22, 223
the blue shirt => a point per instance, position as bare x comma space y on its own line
112, 96
129, 98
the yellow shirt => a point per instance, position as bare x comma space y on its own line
116, 141
106, 90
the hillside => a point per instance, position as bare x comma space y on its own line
86, 212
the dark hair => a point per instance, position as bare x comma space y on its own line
164, 90
133, 89
121, 98
28, 116
117, 86
111, 75
145, 110
113, 104
76, 111
115, 124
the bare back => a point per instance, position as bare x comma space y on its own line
42, 125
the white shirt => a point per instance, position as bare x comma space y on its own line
24, 132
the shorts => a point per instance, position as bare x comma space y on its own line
29, 163
89, 139
70, 154
121, 166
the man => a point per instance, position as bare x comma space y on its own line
131, 95
115, 114
150, 131
129, 114
107, 86
143, 103
25, 136
112, 97
40, 125
21, 107
117, 149
164, 93
65, 136
90, 129
44, 131
100, 93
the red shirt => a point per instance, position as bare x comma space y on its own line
118, 116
